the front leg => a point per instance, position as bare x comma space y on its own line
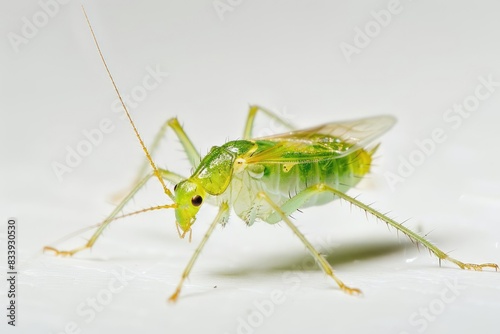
167, 175
221, 217
191, 152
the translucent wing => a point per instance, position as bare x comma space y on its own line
327, 141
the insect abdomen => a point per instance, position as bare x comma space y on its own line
342, 173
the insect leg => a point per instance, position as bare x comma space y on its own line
296, 201
191, 152
167, 175
252, 112
327, 268
412, 235
222, 216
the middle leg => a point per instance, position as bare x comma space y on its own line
323, 263
252, 112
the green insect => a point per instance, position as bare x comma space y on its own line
267, 179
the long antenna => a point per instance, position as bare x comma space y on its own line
148, 156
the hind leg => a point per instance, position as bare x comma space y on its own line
297, 201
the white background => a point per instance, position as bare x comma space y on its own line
284, 55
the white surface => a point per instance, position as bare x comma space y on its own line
284, 55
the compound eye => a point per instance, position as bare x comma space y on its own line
196, 200
175, 187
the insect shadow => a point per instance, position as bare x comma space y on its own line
299, 260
